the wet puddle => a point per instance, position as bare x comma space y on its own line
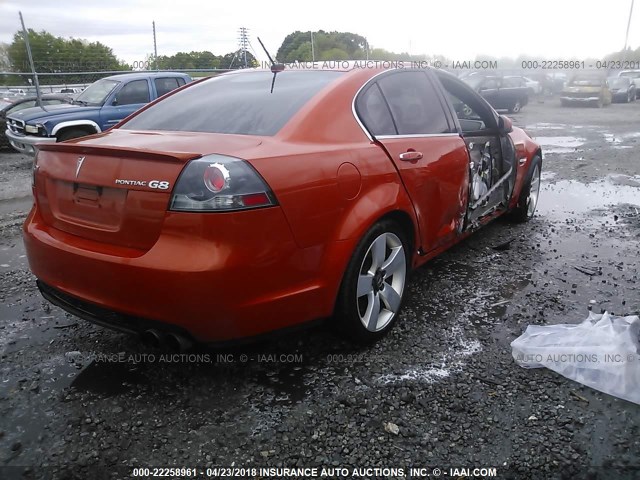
20, 206
563, 198
559, 144
108, 378
547, 126
12, 214
12, 255
616, 140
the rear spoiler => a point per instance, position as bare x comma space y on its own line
113, 151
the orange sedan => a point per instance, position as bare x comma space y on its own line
258, 200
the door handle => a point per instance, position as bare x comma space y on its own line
411, 156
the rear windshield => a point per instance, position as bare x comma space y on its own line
618, 82
236, 103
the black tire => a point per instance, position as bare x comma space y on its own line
71, 133
521, 212
351, 312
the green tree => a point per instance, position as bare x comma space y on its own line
5, 65
235, 60
629, 55
296, 46
334, 54
60, 55
205, 59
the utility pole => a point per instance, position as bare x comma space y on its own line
33, 68
155, 46
243, 43
313, 51
626, 37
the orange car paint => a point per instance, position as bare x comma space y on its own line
223, 276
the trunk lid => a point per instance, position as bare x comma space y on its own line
115, 188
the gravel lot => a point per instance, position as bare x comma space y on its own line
442, 390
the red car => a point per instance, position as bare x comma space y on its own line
255, 201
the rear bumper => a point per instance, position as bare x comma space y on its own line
211, 277
102, 316
26, 144
620, 95
580, 100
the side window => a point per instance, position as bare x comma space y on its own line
374, 112
181, 81
473, 113
489, 84
165, 85
414, 103
134, 92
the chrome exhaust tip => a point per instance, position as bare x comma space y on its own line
178, 343
152, 338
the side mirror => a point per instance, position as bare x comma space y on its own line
115, 102
505, 125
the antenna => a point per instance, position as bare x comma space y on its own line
275, 67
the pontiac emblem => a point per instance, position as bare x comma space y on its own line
79, 165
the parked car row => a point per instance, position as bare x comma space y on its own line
14, 105
100, 106
503, 93
512, 92
596, 90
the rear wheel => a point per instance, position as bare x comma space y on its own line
528, 200
629, 97
373, 286
516, 107
71, 133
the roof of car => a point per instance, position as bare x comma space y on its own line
136, 75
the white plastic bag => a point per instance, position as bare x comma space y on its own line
603, 352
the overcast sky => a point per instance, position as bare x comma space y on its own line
458, 29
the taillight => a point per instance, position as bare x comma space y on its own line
219, 183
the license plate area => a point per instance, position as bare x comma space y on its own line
83, 205
87, 194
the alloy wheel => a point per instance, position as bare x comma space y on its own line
381, 282
534, 190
